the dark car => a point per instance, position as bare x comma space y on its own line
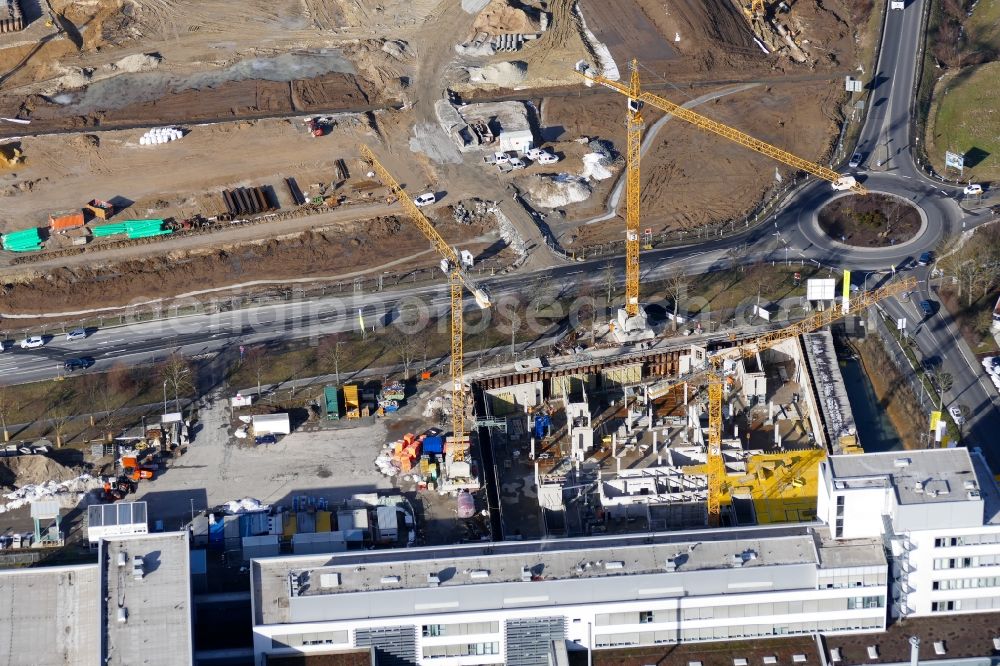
856, 160
77, 364
925, 259
927, 308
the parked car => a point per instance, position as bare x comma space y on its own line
956, 415
72, 364
973, 190
3, 345
534, 153
547, 158
425, 199
76, 334
927, 308
925, 259
856, 160
992, 365
501, 157
517, 163
32, 342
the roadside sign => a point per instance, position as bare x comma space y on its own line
901, 324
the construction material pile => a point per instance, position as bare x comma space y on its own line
419, 459
26, 240
159, 135
391, 395
132, 228
245, 505
35, 477
596, 166
556, 191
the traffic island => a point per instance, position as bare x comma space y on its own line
873, 220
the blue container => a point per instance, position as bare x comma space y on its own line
433, 445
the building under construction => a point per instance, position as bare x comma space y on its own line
614, 443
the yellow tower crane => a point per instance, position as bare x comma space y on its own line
714, 467
754, 8
634, 126
633, 130
632, 92
457, 278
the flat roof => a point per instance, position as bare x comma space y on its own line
926, 476
275, 581
52, 615
158, 626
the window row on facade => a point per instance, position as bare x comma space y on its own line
967, 540
966, 583
631, 639
977, 604
460, 629
461, 650
966, 562
738, 611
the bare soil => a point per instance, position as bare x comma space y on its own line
691, 178
874, 220
322, 252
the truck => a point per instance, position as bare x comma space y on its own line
331, 402
352, 406
132, 470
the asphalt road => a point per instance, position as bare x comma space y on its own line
792, 235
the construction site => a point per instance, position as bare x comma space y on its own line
308, 82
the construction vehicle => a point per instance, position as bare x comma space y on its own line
714, 467
132, 470
454, 266
634, 125
119, 488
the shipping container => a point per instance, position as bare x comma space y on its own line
388, 524
65, 222
306, 522
323, 521
102, 210
271, 424
352, 406
331, 400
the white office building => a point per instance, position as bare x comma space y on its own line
518, 602
938, 510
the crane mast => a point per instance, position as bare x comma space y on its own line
457, 279
714, 467
633, 127
734, 135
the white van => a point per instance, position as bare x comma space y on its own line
425, 199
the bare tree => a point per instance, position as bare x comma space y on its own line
8, 405
256, 358
103, 395
944, 382
676, 287
176, 371
331, 353
407, 348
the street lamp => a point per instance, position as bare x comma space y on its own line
164, 396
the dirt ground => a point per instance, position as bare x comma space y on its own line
64, 172
691, 178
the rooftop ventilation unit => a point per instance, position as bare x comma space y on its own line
329, 580
918, 487
670, 565
433, 580
614, 565
479, 574
973, 495
901, 462
390, 580
970, 484
525, 574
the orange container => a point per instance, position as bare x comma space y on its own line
65, 222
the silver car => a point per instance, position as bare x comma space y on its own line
32, 342
76, 334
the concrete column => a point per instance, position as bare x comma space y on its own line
533, 453
614, 445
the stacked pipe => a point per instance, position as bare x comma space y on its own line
247, 201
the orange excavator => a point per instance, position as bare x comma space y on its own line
132, 471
